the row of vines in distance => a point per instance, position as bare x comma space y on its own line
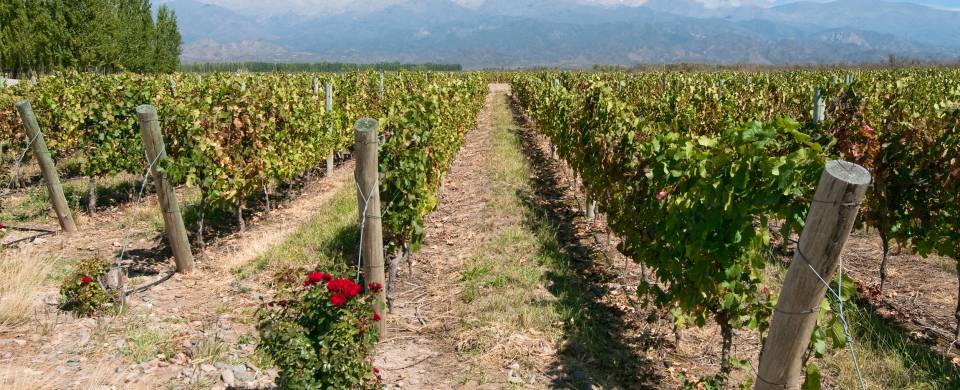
233, 134
685, 164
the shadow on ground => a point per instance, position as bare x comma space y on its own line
602, 348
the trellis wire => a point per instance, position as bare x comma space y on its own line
366, 201
841, 315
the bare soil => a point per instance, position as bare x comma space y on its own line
202, 321
920, 293
417, 351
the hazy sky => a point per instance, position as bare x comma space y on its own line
306, 5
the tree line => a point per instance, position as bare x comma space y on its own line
89, 35
312, 67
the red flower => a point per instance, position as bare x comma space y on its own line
344, 286
338, 300
315, 277
86, 280
375, 286
376, 370
376, 317
327, 277
306, 283
351, 289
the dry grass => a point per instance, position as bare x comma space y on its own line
327, 240
889, 357
98, 377
25, 277
508, 315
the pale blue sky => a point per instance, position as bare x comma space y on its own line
283, 6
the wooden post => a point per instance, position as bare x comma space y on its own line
832, 214
153, 146
328, 92
381, 87
47, 168
819, 106
591, 208
367, 149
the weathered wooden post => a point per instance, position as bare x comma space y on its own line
156, 153
47, 167
328, 92
832, 214
367, 150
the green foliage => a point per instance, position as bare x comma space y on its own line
83, 290
690, 203
423, 133
96, 35
313, 67
233, 134
318, 342
691, 167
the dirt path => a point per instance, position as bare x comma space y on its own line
191, 331
417, 351
919, 293
511, 290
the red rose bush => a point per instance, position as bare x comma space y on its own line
321, 337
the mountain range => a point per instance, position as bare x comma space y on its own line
572, 33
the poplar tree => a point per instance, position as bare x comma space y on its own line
168, 41
88, 35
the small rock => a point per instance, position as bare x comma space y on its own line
243, 376
514, 366
207, 368
228, 378
83, 337
412, 381
532, 379
73, 362
239, 368
221, 365
512, 377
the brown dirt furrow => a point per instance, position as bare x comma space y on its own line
417, 352
196, 320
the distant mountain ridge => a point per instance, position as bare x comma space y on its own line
570, 33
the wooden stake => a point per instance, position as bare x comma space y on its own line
367, 148
328, 91
832, 214
153, 146
47, 167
